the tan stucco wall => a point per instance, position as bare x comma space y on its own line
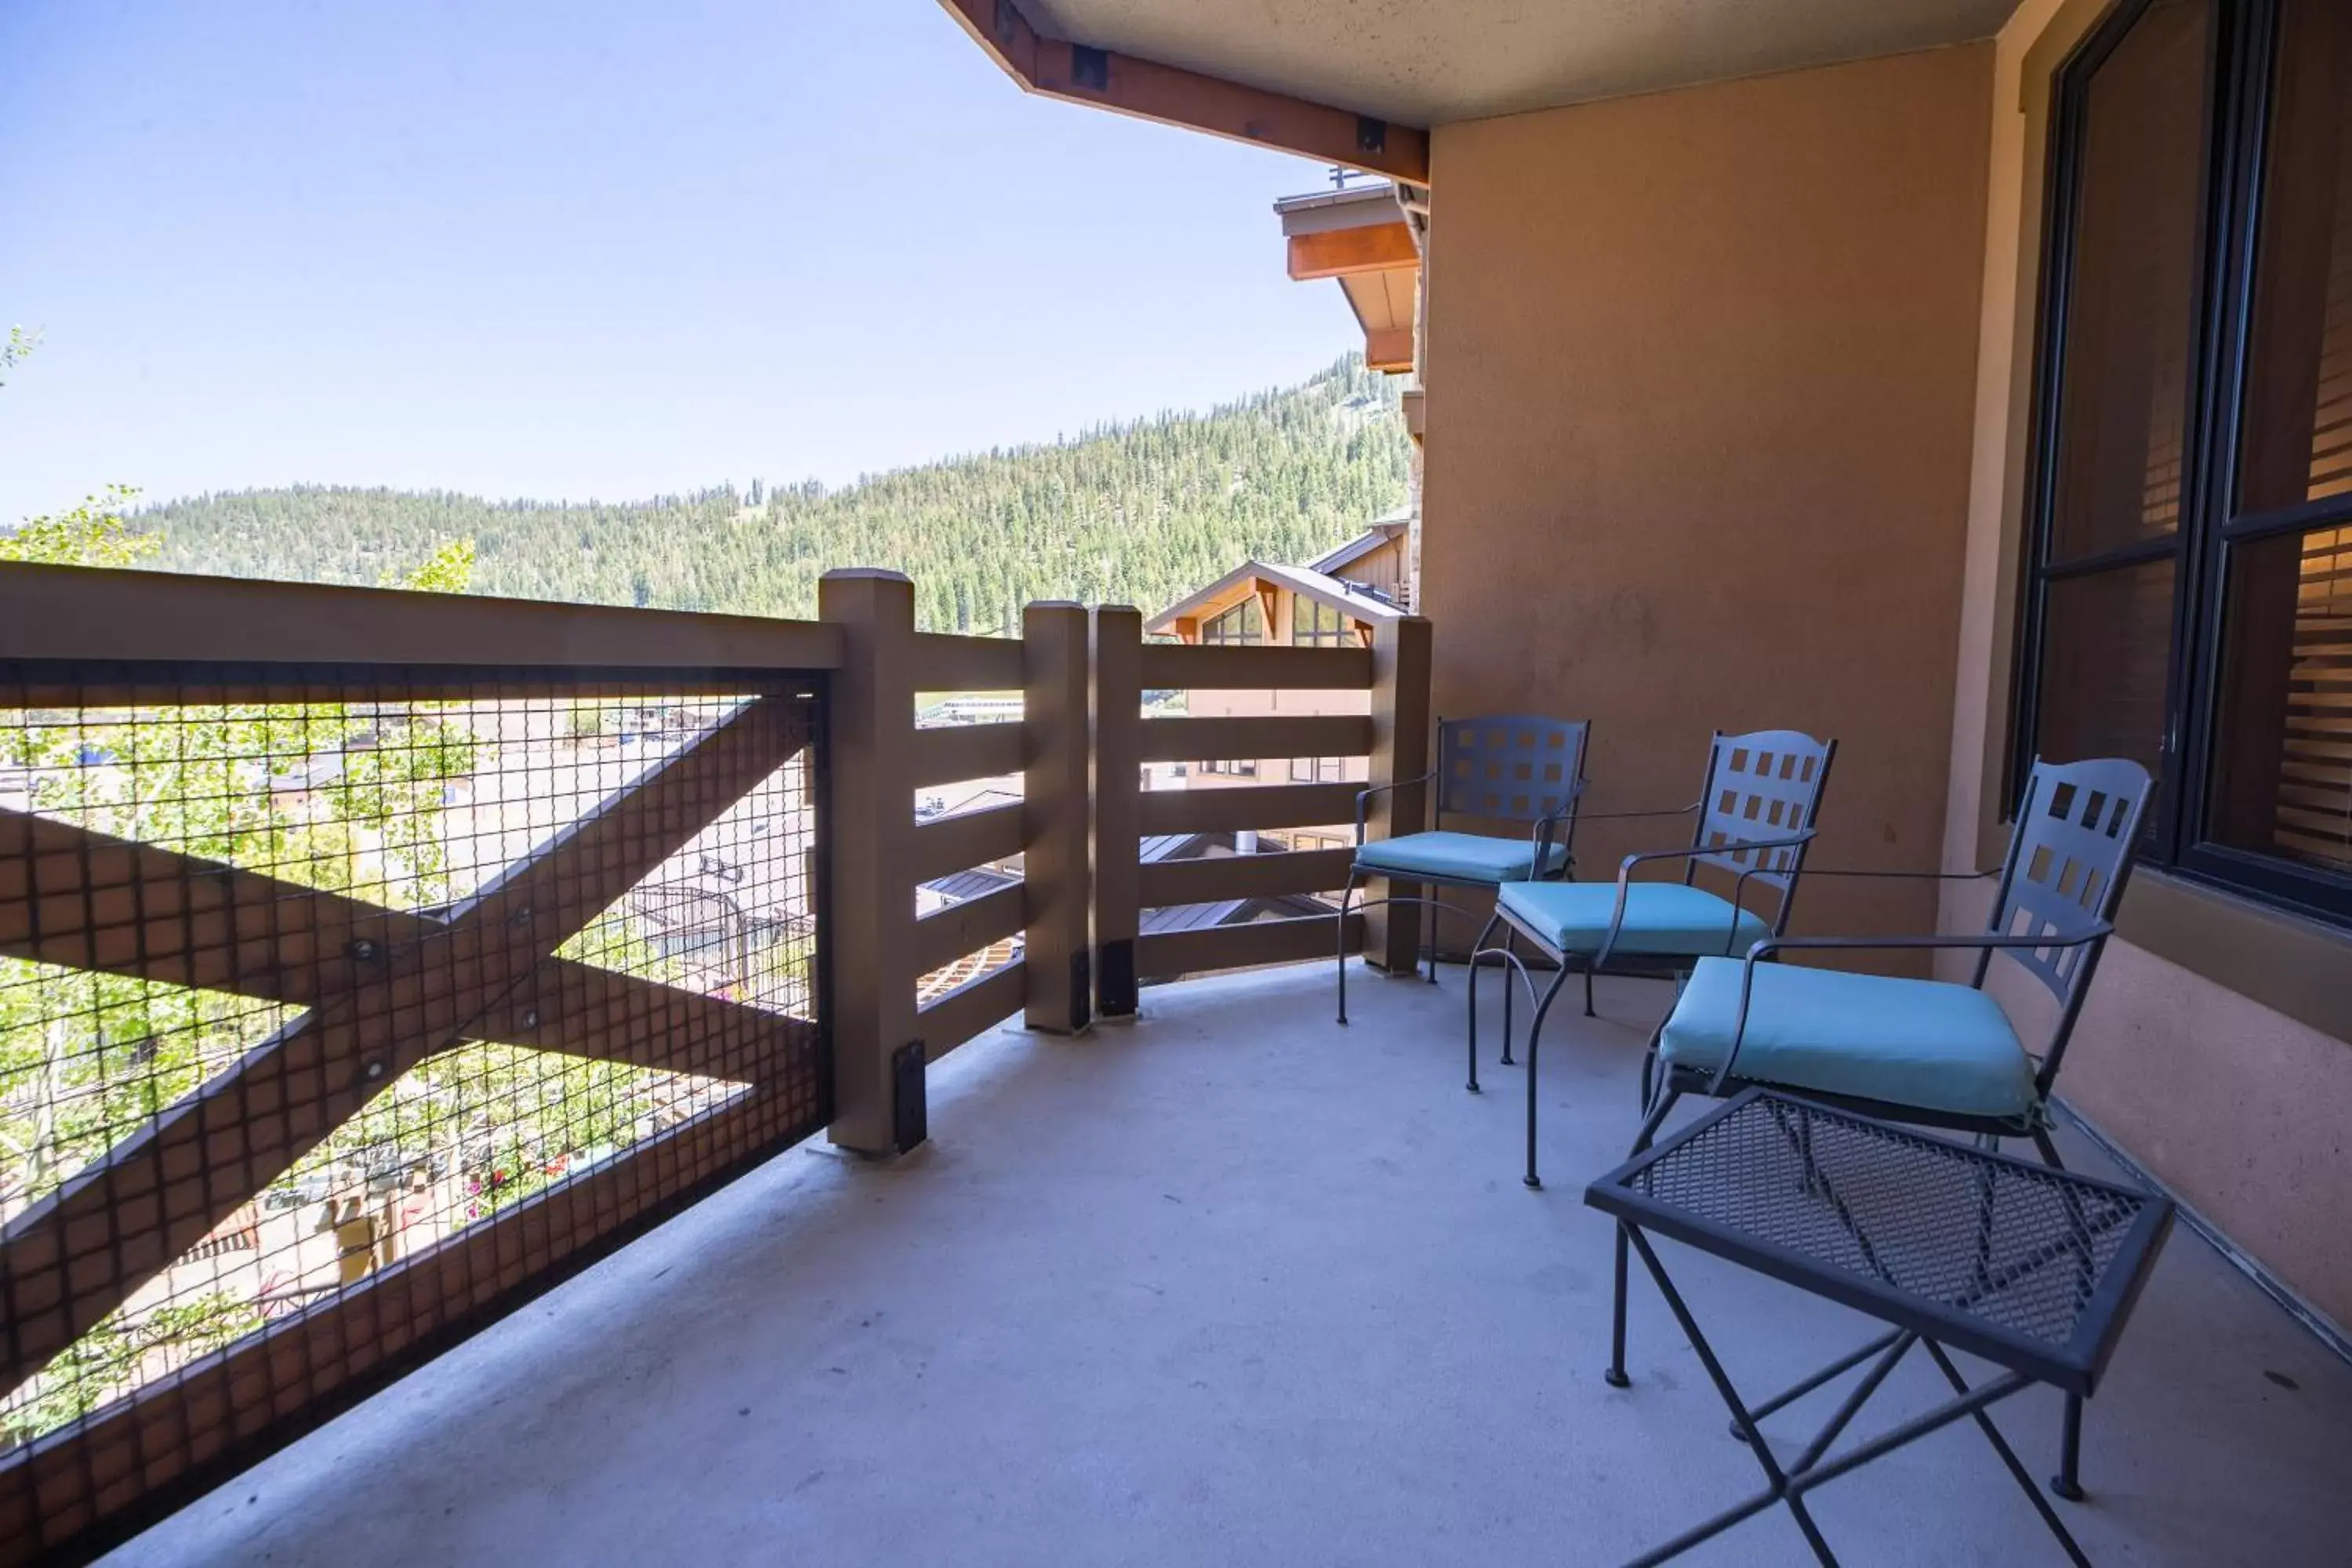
2240, 1110
1701, 372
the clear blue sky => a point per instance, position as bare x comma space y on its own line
595, 247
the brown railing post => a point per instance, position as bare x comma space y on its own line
870, 926
1117, 780
1399, 751
1055, 817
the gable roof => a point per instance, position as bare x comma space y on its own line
1384, 532
1321, 587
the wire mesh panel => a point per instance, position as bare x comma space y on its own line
339, 1009
2023, 1250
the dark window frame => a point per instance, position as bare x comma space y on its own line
2237, 116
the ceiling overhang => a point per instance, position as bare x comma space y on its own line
1079, 71
1321, 77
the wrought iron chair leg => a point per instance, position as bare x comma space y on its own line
1535, 1034
1587, 988
1346, 897
1510, 945
1477, 952
1616, 1376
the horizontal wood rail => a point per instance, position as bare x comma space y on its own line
972, 1008
1273, 735
1165, 955
1213, 880
943, 661
947, 845
1238, 807
945, 936
1180, 666
84, 613
954, 753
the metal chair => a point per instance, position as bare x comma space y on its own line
1505, 767
1754, 818
1924, 1052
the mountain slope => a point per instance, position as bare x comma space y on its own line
1138, 513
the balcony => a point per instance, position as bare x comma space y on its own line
1232, 1284
490, 1106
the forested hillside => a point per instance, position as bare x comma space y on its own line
1138, 513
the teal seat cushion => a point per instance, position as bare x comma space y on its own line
1662, 919
1919, 1043
1456, 856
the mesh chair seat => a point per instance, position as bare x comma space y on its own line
1456, 858
1920, 1043
1662, 919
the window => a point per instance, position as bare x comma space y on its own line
1314, 625
1319, 770
1233, 769
2188, 602
1244, 625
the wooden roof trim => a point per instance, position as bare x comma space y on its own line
1345, 252
1125, 84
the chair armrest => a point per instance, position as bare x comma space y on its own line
1626, 867
1541, 837
1622, 816
1772, 944
1364, 799
1914, 876
1625, 879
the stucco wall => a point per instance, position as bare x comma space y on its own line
1701, 373
2239, 1108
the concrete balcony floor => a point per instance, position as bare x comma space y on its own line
1237, 1285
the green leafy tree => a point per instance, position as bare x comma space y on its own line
91, 535
13, 352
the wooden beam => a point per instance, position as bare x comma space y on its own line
85, 901
1118, 787
972, 1008
81, 900
1273, 668
1164, 955
1216, 879
947, 845
1344, 252
1270, 735
1401, 752
946, 934
580, 1010
218, 1148
946, 662
1124, 84
84, 612
1056, 802
1389, 350
1236, 807
954, 753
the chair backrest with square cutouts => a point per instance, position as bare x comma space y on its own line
2069, 853
1761, 787
1510, 767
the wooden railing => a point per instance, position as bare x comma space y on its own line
1394, 735
352, 981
